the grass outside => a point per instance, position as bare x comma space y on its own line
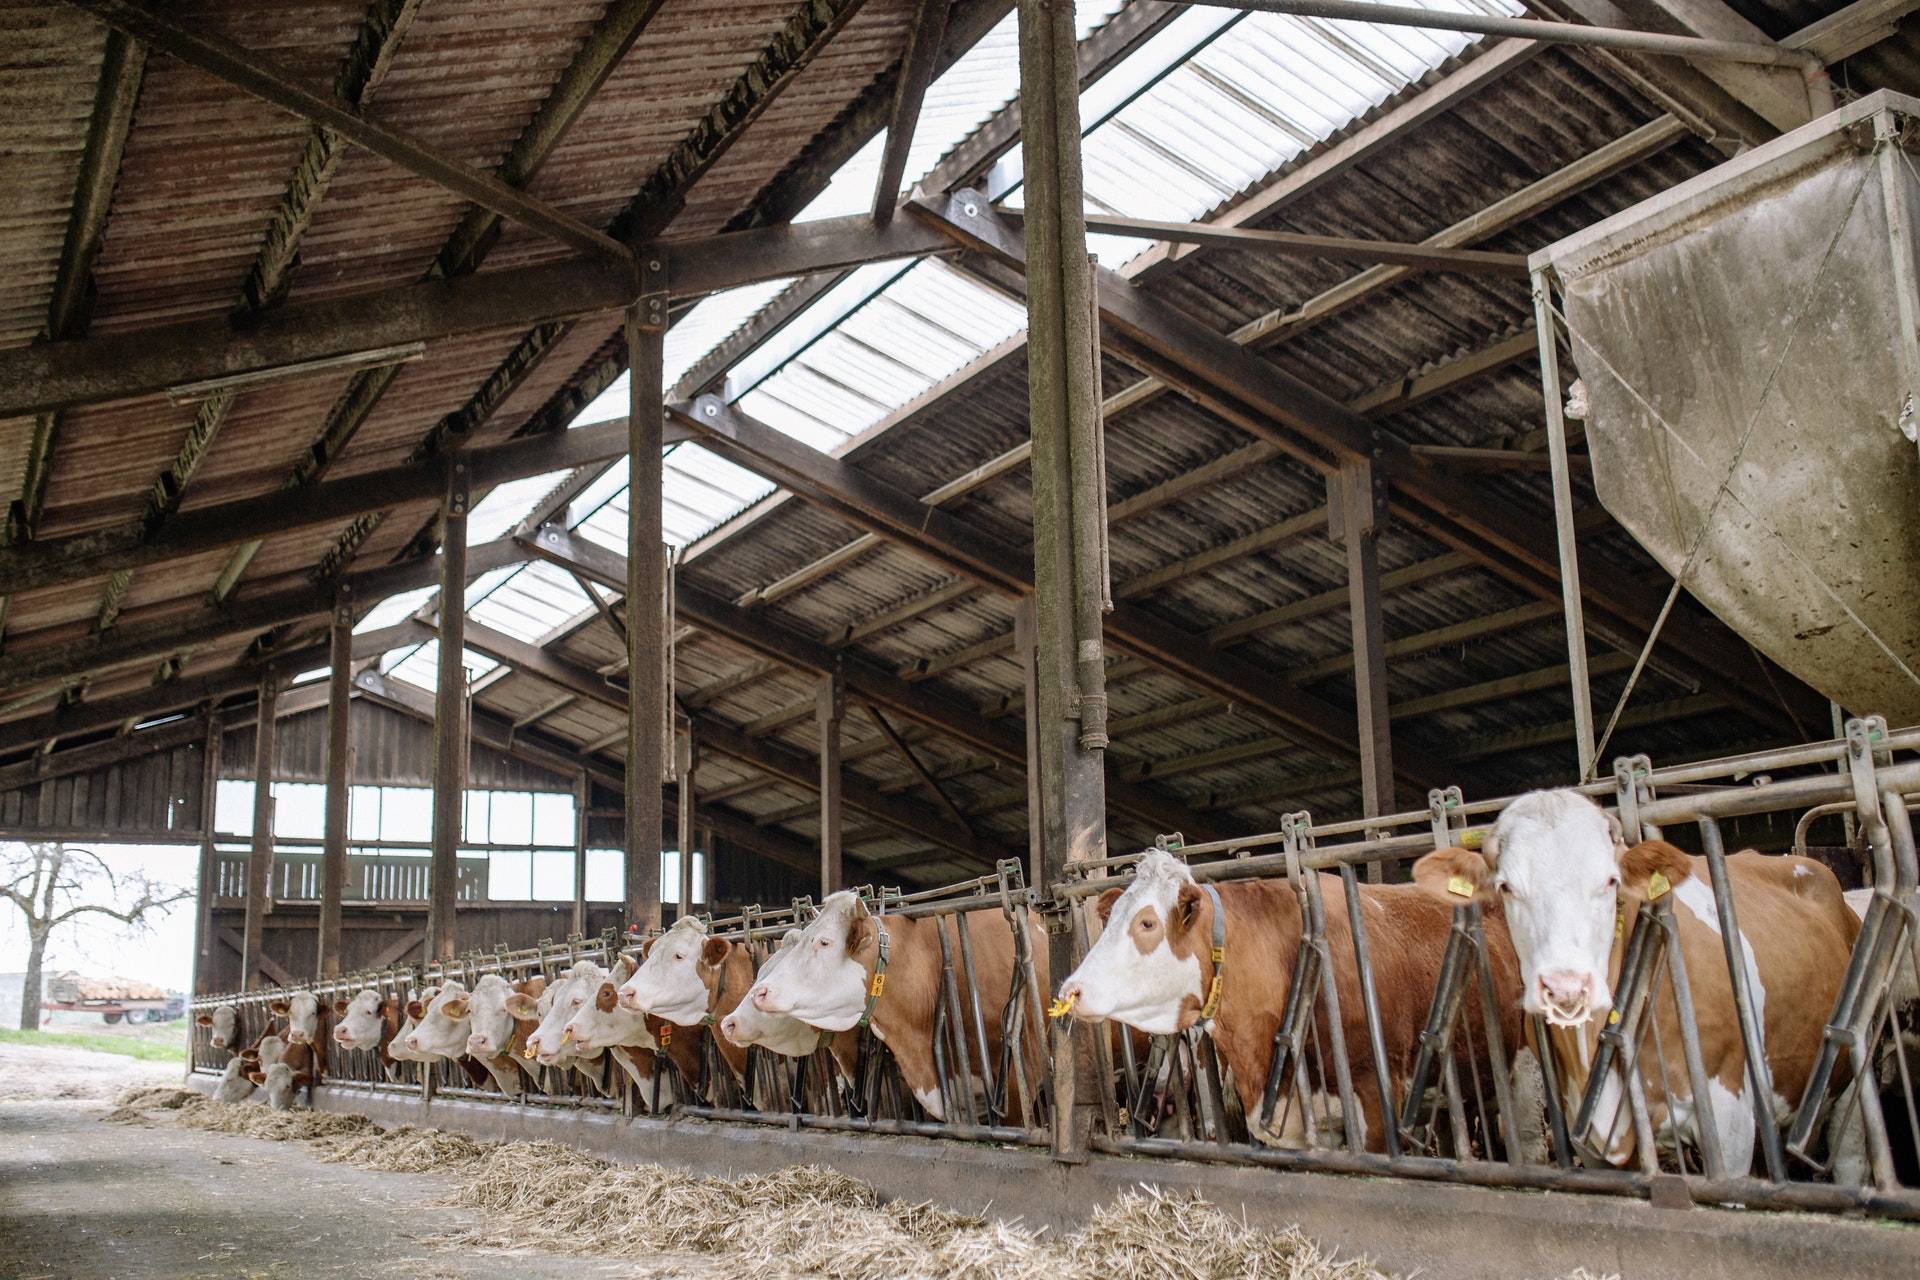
167, 1041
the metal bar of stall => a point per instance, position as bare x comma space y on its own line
1752, 1036
1370, 1006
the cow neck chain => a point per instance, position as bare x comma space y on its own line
874, 988
1219, 953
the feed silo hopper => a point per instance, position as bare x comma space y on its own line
1747, 354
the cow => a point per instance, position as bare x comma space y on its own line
747, 1026
225, 1023
584, 1023
831, 981
1567, 882
545, 1011
692, 981
303, 1014
369, 1022
1152, 969
281, 1081
495, 1035
235, 1085
441, 1031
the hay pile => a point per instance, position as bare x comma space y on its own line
809, 1221
403, 1150
132, 1105
255, 1121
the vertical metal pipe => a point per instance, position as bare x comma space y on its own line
1370, 1004
209, 876
830, 711
333, 859
685, 764
449, 722
977, 1016
1352, 499
582, 801
1063, 396
1752, 1035
260, 855
1562, 476
646, 596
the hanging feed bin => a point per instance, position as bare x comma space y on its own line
1747, 348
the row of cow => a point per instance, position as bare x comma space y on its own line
1556, 880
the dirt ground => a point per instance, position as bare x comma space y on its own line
80, 1200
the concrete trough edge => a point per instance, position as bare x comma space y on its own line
1440, 1232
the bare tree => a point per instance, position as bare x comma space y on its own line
53, 884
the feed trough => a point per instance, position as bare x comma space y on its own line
1747, 353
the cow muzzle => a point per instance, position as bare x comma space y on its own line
1566, 997
629, 999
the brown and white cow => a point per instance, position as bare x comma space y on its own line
224, 1021
304, 1030
1151, 968
369, 1022
497, 1033
829, 978
1566, 881
552, 1009
588, 1019
692, 981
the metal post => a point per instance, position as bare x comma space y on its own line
260, 854
1578, 684
582, 797
1070, 587
830, 709
646, 596
449, 724
1354, 510
688, 760
209, 877
333, 861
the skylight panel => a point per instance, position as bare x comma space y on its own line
532, 603
421, 666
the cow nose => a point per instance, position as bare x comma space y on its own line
760, 999
629, 999
728, 1026
1566, 993
413, 1042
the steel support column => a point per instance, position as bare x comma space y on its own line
1068, 500
830, 711
686, 760
1564, 533
260, 855
646, 594
333, 861
449, 724
582, 797
1353, 501
206, 881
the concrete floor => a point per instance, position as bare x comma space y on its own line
80, 1200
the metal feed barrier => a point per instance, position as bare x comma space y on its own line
1455, 1107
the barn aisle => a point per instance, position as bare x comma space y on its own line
80, 1200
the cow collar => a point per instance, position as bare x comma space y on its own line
1219, 954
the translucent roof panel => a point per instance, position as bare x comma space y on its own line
421, 666
534, 602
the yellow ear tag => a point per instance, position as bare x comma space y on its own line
1473, 838
566, 1034
1613, 1018
1460, 886
879, 985
1061, 1008
1619, 922
1657, 885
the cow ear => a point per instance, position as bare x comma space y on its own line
1647, 859
340, 1008
258, 1077
787, 939
1617, 833
281, 1005
302, 1080
605, 999
1458, 875
456, 1008
860, 932
1103, 905
416, 1010
202, 1019
646, 949
713, 952
522, 1006
622, 969
537, 985
1186, 907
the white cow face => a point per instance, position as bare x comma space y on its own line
824, 982
748, 1025
234, 1085
442, 1030
225, 1021
600, 1023
1554, 859
303, 1018
1144, 970
415, 1009
671, 982
358, 1023
556, 1009
490, 1026
279, 1081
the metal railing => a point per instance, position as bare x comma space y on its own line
370, 878
1444, 1079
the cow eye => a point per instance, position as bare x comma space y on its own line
1148, 923
1613, 882
826, 942
1506, 889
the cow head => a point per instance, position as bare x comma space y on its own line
280, 1082
598, 1021
491, 1013
748, 1025
441, 1031
1558, 866
571, 993
359, 1023
411, 1011
677, 978
234, 1084
1145, 969
225, 1022
269, 1051
302, 1012
823, 983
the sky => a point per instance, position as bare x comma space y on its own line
100, 947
